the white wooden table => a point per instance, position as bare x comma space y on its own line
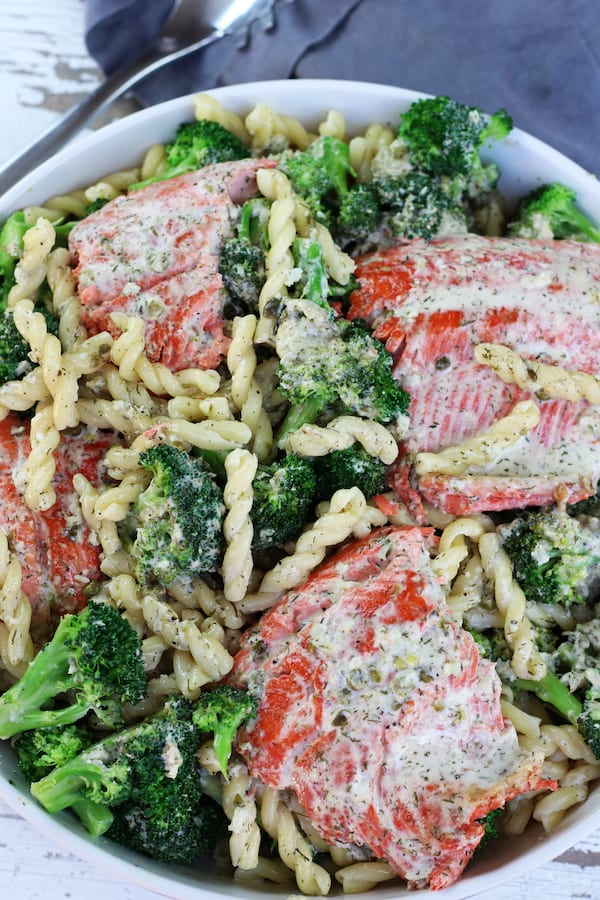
44, 67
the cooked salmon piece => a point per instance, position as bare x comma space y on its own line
377, 712
184, 325
155, 253
57, 557
432, 303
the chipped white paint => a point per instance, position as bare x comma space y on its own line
44, 67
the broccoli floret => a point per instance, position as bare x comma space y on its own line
222, 711
551, 555
417, 207
550, 211
492, 643
253, 222
203, 143
360, 213
351, 467
197, 144
547, 639
242, 266
174, 833
320, 175
43, 749
284, 493
167, 816
588, 722
444, 139
354, 376
571, 685
577, 661
179, 516
312, 280
95, 205
483, 642
414, 205
490, 825
242, 261
94, 661
146, 776
576, 658
588, 507
15, 361
349, 379
431, 180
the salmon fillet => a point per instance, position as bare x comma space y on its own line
432, 303
57, 558
377, 711
154, 253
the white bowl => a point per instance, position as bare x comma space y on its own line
525, 162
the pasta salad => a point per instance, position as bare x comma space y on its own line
317, 415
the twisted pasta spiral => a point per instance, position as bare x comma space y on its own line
16, 646
542, 379
237, 528
346, 510
342, 432
483, 448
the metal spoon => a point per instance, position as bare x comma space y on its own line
211, 19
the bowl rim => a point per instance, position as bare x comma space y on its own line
128, 865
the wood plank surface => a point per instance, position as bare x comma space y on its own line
44, 67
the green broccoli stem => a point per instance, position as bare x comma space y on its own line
308, 257
216, 460
95, 818
304, 413
244, 227
60, 789
65, 786
550, 689
582, 224
21, 707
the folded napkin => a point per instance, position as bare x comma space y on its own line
540, 59
271, 49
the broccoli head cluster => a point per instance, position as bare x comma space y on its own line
428, 183
283, 496
197, 144
242, 257
142, 785
354, 376
444, 139
551, 554
93, 663
551, 212
179, 516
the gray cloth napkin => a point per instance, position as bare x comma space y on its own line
540, 59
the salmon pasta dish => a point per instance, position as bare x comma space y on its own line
300, 518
